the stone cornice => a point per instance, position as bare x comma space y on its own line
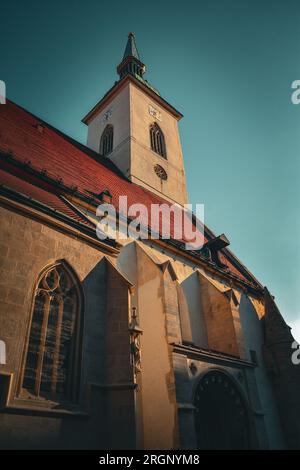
211, 356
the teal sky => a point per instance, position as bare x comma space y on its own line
227, 65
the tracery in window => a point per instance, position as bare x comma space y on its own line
51, 367
106, 141
161, 172
157, 140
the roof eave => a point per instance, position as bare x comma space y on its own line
118, 86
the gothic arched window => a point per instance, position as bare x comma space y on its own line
51, 366
157, 140
106, 142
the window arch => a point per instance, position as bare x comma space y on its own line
106, 141
51, 368
157, 140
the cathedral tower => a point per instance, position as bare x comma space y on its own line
137, 130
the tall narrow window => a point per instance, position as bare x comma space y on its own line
157, 140
106, 142
51, 365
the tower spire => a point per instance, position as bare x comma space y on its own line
131, 49
131, 63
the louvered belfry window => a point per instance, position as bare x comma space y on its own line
157, 140
51, 365
106, 142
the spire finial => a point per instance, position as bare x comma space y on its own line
131, 63
131, 49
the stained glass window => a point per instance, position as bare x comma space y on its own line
50, 360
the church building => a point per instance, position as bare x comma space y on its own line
127, 342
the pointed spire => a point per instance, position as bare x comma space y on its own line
131, 49
131, 63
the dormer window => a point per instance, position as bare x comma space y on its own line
157, 140
106, 141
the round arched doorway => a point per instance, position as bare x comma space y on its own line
221, 416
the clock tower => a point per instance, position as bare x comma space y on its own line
137, 130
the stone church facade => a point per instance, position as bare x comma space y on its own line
125, 343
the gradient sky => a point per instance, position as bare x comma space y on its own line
227, 65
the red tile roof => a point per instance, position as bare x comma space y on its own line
63, 158
52, 201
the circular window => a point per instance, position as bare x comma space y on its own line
161, 173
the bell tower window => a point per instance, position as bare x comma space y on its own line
106, 141
157, 140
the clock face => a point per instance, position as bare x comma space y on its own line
155, 113
107, 115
